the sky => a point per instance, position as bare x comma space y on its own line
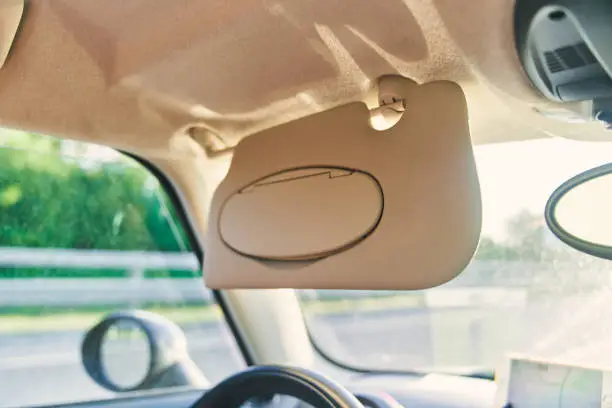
522, 175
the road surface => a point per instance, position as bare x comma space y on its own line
46, 368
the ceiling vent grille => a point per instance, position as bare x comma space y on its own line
570, 57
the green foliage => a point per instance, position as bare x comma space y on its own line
489, 250
528, 239
49, 200
175, 274
12, 273
53, 194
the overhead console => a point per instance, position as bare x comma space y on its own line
565, 49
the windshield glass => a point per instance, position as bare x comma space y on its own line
86, 231
524, 292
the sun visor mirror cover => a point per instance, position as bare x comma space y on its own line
327, 202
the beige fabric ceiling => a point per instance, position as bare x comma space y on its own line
136, 73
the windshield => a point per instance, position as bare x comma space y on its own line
524, 292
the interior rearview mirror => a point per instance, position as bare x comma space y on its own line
579, 212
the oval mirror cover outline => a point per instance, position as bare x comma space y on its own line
302, 214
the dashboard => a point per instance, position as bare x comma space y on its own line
423, 391
532, 383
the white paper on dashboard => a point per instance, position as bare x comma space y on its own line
533, 383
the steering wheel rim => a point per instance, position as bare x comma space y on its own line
262, 381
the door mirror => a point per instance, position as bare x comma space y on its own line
125, 338
137, 350
579, 212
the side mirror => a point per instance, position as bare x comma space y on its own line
137, 350
579, 212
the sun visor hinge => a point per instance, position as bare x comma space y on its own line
213, 144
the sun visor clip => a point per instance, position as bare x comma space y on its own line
391, 105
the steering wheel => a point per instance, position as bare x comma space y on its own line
265, 381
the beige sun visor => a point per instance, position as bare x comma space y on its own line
11, 12
328, 202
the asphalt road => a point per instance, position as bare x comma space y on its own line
46, 368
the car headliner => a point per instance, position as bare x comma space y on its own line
158, 78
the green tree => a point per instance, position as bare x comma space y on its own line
50, 200
490, 250
526, 235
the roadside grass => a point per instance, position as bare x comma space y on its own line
42, 319
16, 320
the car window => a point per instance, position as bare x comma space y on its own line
524, 292
86, 231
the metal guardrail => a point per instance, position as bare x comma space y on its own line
77, 258
133, 289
